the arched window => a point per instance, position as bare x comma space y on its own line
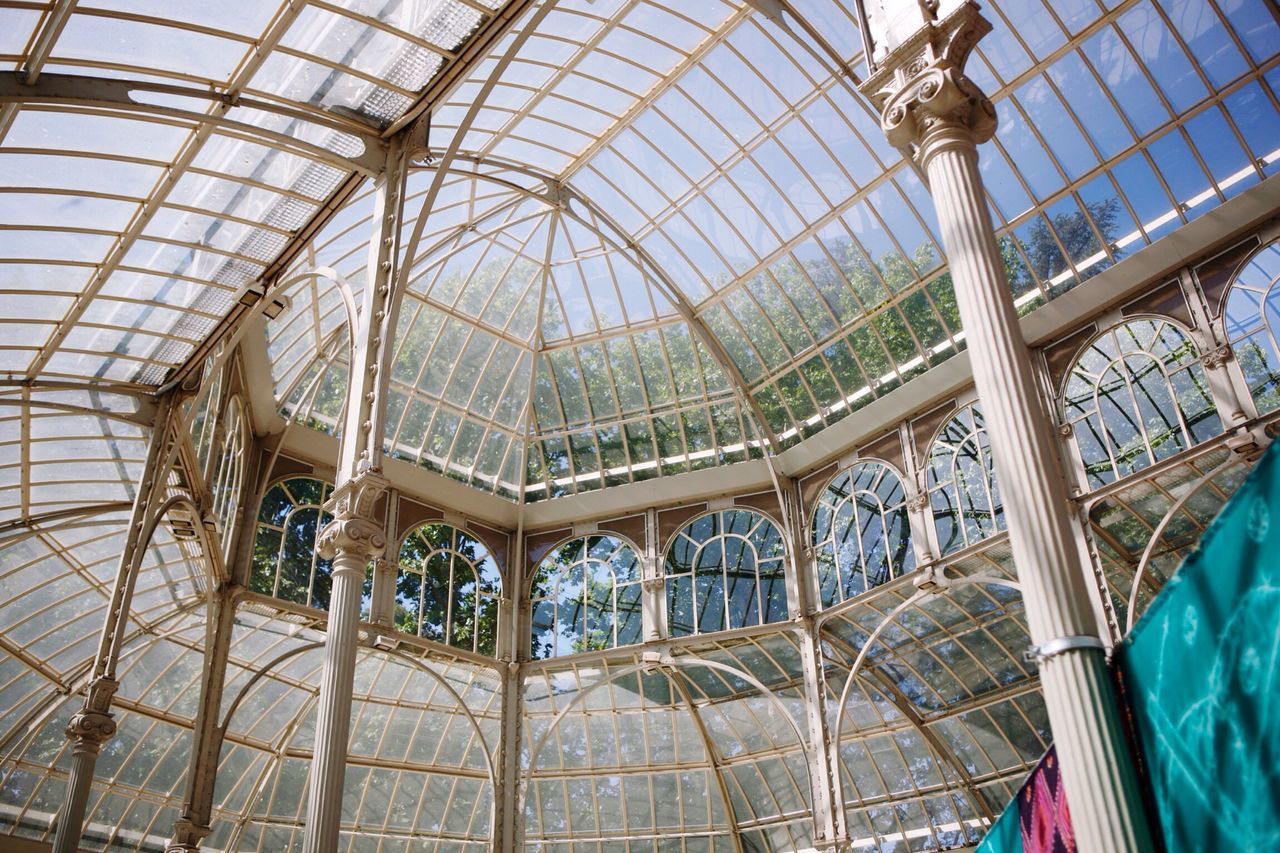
585, 597
205, 418
1252, 321
228, 475
448, 588
861, 534
285, 559
725, 570
1137, 395
962, 483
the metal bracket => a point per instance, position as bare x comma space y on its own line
1055, 647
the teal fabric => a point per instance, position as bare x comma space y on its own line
1005, 835
1201, 675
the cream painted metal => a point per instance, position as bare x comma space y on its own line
933, 111
355, 536
94, 725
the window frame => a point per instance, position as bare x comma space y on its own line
673, 580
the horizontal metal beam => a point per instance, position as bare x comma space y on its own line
126, 95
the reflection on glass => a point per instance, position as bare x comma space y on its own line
1252, 319
962, 485
228, 475
448, 588
1136, 395
725, 570
202, 425
861, 535
285, 559
586, 597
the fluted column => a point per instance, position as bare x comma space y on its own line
351, 541
355, 536
88, 729
930, 109
93, 724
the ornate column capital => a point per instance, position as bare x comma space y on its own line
920, 86
1216, 358
90, 729
357, 537
92, 726
187, 836
353, 530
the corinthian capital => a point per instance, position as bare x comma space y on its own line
920, 86
90, 729
350, 536
357, 495
354, 530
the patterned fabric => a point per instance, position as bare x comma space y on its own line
1005, 835
1042, 810
1202, 672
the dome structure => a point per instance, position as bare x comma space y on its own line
579, 389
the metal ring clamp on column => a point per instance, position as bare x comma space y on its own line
1055, 647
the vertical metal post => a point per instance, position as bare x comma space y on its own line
355, 536
511, 646
194, 823
915, 479
930, 110
827, 813
653, 586
1231, 395
93, 725
386, 569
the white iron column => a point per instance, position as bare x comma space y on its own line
828, 814
653, 609
930, 108
194, 822
355, 537
513, 638
351, 540
93, 725
90, 727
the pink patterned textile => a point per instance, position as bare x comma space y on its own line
1042, 810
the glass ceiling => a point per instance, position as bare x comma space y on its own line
133, 213
676, 237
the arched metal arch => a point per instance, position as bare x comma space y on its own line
855, 670
340, 283
673, 664
1102, 333
72, 409
625, 540
915, 598
886, 688
70, 91
220, 733
1172, 513
55, 520
564, 197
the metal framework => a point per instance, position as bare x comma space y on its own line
627, 253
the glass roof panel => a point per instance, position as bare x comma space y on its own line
182, 150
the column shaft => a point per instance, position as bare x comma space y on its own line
333, 711
354, 537
1097, 768
92, 725
84, 757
